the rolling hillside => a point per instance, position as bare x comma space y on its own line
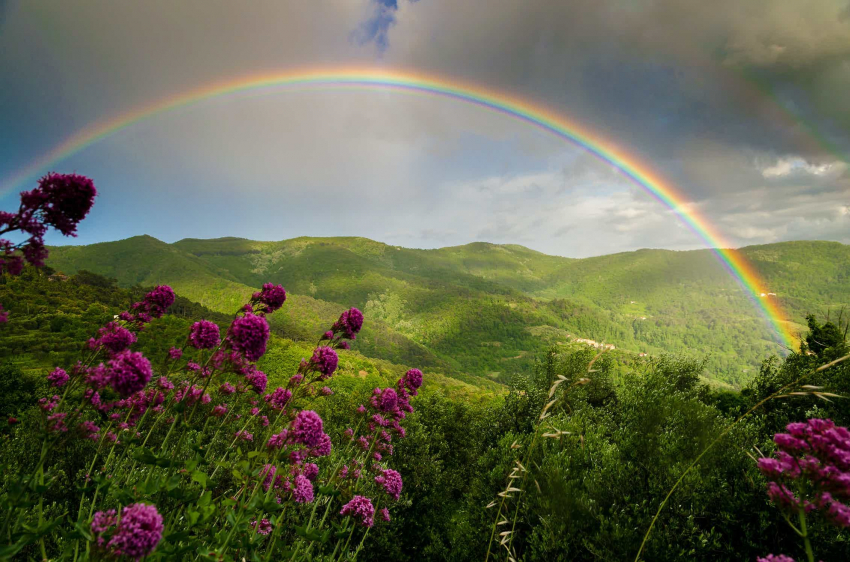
485, 309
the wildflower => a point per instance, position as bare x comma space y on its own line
272, 297
4, 315
819, 453
384, 514
361, 509
244, 435
278, 399
324, 360
89, 430
175, 353
48, 404
326, 391
164, 384
219, 411
227, 389
58, 378
204, 335
102, 522
303, 490
56, 422
349, 433
775, 558
361, 409
257, 380
388, 400
265, 526
329, 335
413, 380
157, 301
324, 446
129, 372
139, 531
390, 481
310, 471
249, 335
295, 380
277, 441
307, 428
114, 337
64, 199
349, 323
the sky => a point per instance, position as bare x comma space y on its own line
742, 106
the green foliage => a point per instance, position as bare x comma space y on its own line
486, 309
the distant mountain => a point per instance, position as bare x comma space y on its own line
486, 308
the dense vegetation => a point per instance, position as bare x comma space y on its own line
591, 494
126, 438
486, 310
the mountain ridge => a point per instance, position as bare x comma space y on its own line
484, 308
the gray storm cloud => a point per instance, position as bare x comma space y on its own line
680, 84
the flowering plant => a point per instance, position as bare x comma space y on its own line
199, 458
809, 473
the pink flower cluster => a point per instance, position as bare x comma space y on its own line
271, 298
361, 509
137, 534
60, 201
813, 458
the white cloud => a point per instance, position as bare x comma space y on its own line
794, 164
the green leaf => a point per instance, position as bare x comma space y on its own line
173, 482
200, 477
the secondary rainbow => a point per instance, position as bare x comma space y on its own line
532, 113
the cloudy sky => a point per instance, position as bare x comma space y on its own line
743, 106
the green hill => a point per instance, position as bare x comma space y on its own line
485, 309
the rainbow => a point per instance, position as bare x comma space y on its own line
532, 113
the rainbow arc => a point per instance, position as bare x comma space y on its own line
534, 114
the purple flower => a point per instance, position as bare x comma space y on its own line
324, 360
103, 521
390, 481
129, 372
303, 489
58, 378
4, 315
323, 449
243, 435
384, 513
311, 471
272, 297
204, 335
307, 428
175, 353
326, 391
413, 380
115, 338
349, 323
361, 509
139, 531
258, 380
817, 452
89, 430
775, 558
265, 527
67, 199
249, 335
278, 399
388, 400
219, 411
277, 441
227, 389
159, 300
